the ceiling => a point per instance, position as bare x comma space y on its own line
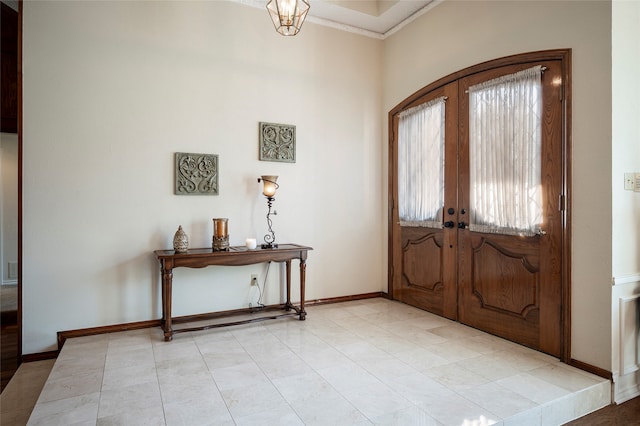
373, 18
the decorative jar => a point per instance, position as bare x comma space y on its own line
180, 241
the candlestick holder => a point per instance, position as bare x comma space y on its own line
220, 240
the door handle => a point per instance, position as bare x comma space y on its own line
448, 224
462, 225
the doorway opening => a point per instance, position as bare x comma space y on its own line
10, 192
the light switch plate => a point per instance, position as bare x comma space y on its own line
636, 185
629, 180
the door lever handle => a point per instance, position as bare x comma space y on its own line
448, 224
462, 225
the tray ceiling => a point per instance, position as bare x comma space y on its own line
373, 18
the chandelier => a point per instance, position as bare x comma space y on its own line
288, 15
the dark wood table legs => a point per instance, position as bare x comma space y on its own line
303, 274
167, 283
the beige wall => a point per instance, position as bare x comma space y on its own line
113, 89
626, 137
458, 34
625, 204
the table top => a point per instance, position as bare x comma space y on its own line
232, 249
236, 255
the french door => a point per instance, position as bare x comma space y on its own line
462, 259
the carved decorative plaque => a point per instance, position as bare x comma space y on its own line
196, 174
277, 142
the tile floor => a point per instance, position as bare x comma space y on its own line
364, 362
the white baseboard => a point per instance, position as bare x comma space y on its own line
626, 333
626, 387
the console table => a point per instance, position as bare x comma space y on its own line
235, 256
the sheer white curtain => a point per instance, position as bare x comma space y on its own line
421, 164
504, 154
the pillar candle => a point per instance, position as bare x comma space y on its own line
220, 228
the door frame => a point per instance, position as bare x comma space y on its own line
20, 173
394, 241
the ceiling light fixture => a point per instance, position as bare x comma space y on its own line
288, 15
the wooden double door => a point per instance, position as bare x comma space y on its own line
508, 285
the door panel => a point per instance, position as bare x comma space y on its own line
422, 269
504, 281
499, 283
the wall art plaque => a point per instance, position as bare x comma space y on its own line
196, 174
277, 142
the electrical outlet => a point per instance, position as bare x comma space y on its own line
632, 182
254, 279
629, 179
